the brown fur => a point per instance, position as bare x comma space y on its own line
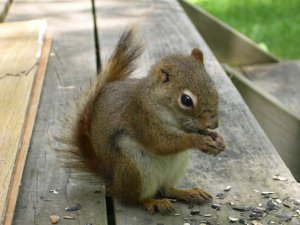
80, 153
122, 126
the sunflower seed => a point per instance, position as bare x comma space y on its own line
267, 192
228, 188
220, 195
73, 208
271, 206
69, 217
276, 177
54, 191
241, 208
216, 206
232, 219
255, 222
195, 211
242, 221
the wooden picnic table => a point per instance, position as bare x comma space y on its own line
248, 164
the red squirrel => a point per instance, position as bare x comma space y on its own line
134, 134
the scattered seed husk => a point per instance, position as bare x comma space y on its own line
242, 208
287, 205
284, 218
232, 219
207, 215
228, 188
177, 214
73, 208
298, 211
186, 224
296, 202
54, 191
277, 177
255, 222
242, 221
271, 222
54, 219
195, 212
267, 192
260, 204
257, 215
216, 206
69, 217
257, 191
274, 196
272, 206
220, 195
259, 210
278, 201
269, 195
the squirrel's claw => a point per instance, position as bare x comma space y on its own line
214, 145
163, 206
194, 196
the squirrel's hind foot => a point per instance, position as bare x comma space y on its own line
163, 206
194, 196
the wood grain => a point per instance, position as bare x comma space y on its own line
71, 65
282, 80
28, 127
249, 161
278, 120
21, 45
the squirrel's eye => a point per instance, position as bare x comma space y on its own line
186, 100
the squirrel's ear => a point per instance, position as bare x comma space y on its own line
165, 76
197, 55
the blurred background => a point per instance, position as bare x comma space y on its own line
273, 24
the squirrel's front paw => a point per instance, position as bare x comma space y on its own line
163, 206
214, 144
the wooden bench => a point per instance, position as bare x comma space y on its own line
248, 165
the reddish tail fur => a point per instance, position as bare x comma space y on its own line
79, 153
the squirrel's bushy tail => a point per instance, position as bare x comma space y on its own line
78, 152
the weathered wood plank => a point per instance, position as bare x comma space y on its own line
282, 80
20, 47
250, 160
27, 131
280, 123
71, 65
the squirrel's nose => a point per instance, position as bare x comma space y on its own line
213, 123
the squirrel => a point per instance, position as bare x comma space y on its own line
134, 134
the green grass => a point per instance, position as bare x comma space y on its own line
273, 24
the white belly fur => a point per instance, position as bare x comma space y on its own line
156, 171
